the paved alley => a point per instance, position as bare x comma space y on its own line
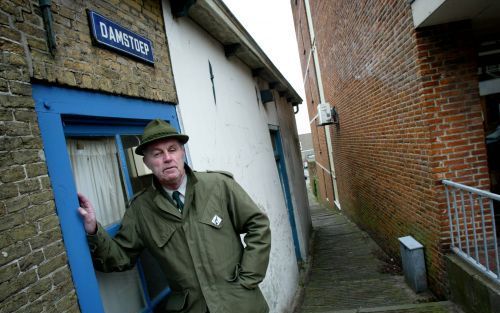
349, 273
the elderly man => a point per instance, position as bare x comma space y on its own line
191, 223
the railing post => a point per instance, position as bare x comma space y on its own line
449, 215
465, 221
485, 239
495, 236
474, 227
457, 226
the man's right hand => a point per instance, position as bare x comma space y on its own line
87, 213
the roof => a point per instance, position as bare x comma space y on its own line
215, 18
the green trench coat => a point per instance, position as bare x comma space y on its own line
199, 250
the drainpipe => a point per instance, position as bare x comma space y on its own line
321, 97
45, 6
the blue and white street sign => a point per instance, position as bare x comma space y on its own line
108, 33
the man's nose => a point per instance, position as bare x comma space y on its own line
167, 157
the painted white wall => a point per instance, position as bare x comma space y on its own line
232, 135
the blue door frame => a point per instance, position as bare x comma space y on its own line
280, 163
54, 105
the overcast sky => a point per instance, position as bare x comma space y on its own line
270, 23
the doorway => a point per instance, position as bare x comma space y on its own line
88, 142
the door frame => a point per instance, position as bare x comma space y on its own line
279, 158
52, 105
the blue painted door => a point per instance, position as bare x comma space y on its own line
280, 164
70, 122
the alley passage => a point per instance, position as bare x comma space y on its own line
349, 273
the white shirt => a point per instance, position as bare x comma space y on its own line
181, 189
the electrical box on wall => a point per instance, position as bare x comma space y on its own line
324, 114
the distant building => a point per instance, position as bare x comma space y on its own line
306, 147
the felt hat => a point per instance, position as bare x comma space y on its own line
158, 129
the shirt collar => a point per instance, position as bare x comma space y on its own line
181, 189
190, 178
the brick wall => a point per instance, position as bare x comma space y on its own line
34, 275
449, 95
409, 116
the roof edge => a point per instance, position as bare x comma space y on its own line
216, 18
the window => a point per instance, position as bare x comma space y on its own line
88, 141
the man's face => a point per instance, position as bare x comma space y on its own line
165, 157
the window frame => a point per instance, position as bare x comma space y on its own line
55, 105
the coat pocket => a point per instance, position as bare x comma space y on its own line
176, 301
236, 275
162, 235
239, 299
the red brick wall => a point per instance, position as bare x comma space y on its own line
451, 107
409, 116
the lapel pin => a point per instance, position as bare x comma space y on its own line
216, 220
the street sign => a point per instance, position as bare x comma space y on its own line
116, 37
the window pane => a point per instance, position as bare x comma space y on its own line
139, 174
121, 292
97, 175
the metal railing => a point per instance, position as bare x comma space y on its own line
472, 226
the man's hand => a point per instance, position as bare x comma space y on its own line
87, 213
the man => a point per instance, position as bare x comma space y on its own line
191, 223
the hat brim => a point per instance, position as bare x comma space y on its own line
180, 137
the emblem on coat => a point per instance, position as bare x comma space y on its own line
216, 220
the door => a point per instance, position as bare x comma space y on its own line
88, 143
105, 170
280, 164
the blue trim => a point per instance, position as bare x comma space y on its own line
100, 130
160, 296
50, 99
280, 162
145, 292
72, 229
123, 166
60, 109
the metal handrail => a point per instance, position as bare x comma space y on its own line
480, 192
458, 216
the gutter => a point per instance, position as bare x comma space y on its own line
45, 7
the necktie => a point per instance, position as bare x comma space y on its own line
178, 201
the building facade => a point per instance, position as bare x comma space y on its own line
79, 81
411, 110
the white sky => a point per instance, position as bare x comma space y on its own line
270, 23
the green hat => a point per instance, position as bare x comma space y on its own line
158, 129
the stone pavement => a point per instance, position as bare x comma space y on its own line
349, 273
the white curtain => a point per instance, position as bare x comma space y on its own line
97, 176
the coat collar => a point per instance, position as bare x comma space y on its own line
165, 202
